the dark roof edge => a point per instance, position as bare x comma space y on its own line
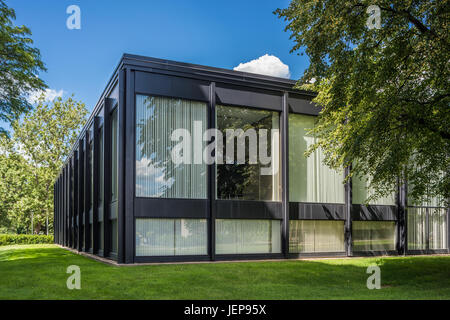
278, 83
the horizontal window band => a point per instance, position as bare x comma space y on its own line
374, 212
316, 211
244, 209
171, 208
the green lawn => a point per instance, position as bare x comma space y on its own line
39, 272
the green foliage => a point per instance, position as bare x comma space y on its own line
10, 239
384, 92
19, 66
30, 162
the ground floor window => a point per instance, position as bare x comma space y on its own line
417, 228
374, 235
437, 220
171, 237
239, 236
316, 236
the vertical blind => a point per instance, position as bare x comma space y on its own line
374, 235
417, 228
316, 236
156, 174
437, 220
238, 236
170, 237
310, 180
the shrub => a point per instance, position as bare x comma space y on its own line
8, 239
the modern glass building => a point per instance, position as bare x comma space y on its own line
121, 196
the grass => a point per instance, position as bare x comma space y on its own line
39, 272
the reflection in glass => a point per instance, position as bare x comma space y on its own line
361, 191
170, 237
245, 181
310, 180
236, 236
373, 235
316, 236
156, 174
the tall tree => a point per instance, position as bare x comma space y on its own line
384, 91
20, 63
39, 144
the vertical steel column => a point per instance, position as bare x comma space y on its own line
66, 205
401, 218
285, 173
87, 183
127, 155
448, 227
75, 201
95, 172
348, 214
107, 176
80, 194
69, 193
212, 176
427, 230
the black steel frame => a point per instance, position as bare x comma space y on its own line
150, 76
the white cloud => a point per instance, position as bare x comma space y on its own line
49, 95
267, 64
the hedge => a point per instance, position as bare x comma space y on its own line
8, 239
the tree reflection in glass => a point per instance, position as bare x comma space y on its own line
156, 174
245, 181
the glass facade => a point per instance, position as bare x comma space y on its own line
316, 236
310, 180
374, 235
361, 191
417, 228
171, 237
157, 175
246, 174
437, 220
239, 236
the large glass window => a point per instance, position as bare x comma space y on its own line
361, 191
310, 180
316, 236
246, 174
437, 220
114, 155
171, 237
156, 174
238, 236
417, 228
374, 235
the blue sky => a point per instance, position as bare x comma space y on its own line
220, 34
